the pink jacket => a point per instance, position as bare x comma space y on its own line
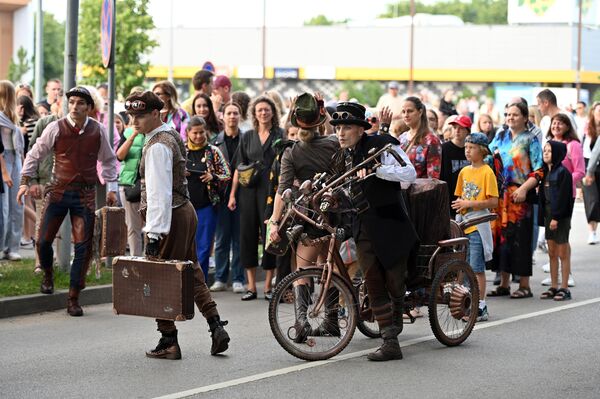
574, 162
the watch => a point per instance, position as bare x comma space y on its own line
384, 128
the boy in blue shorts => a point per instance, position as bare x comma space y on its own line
477, 190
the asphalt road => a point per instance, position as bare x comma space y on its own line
529, 348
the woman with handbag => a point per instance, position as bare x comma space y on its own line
129, 153
251, 177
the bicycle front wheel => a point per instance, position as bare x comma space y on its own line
301, 329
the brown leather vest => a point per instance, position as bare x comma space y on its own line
75, 155
171, 139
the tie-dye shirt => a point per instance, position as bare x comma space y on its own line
522, 157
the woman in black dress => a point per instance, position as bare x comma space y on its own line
255, 148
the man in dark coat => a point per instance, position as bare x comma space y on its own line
382, 230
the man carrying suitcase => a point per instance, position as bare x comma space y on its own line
165, 204
77, 143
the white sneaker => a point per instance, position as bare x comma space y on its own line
13, 256
218, 286
592, 239
238, 288
546, 267
571, 282
548, 282
542, 246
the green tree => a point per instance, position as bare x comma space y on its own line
322, 20
481, 12
54, 47
16, 70
133, 43
366, 92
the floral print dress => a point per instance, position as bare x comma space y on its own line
521, 156
425, 156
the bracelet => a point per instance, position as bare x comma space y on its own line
25, 180
274, 222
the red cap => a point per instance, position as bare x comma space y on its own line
462, 120
221, 81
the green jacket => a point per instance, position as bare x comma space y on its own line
43, 174
130, 165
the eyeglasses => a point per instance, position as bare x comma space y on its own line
342, 115
136, 105
372, 119
23, 86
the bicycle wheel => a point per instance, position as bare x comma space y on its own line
328, 331
453, 303
366, 321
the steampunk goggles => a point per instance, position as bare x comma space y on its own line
136, 105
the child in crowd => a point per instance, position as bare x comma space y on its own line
453, 154
206, 171
477, 190
555, 211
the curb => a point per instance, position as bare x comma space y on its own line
37, 303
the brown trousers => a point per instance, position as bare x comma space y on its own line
180, 244
383, 285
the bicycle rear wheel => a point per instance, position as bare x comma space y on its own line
331, 328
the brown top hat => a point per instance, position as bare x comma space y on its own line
308, 112
143, 103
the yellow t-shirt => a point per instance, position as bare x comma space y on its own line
187, 105
476, 184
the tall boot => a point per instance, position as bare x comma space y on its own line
397, 313
220, 338
301, 302
330, 325
47, 286
390, 350
73, 307
167, 348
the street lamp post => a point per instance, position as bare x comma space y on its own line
412, 41
578, 73
264, 43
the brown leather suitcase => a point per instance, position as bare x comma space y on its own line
113, 239
162, 289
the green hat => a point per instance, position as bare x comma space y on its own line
308, 112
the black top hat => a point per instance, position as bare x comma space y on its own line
82, 92
348, 113
307, 112
143, 103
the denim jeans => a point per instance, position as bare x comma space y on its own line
80, 206
205, 233
11, 216
475, 255
228, 240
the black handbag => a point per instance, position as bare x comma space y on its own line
249, 174
134, 193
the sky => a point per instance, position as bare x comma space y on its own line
244, 13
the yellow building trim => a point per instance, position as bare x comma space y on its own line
423, 75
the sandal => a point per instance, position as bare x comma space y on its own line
522, 292
562, 294
499, 291
551, 293
249, 296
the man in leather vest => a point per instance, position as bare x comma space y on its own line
165, 204
77, 143
382, 230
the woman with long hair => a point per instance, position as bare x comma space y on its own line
11, 223
255, 152
521, 155
485, 125
172, 114
419, 143
202, 106
591, 187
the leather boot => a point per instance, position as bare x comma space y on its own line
73, 307
220, 338
167, 348
390, 350
397, 313
301, 302
47, 286
330, 326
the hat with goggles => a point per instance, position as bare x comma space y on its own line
350, 113
143, 103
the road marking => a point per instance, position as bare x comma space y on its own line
410, 342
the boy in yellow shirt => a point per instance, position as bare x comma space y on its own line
477, 190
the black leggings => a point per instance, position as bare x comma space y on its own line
252, 203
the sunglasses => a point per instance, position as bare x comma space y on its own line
136, 105
342, 115
23, 86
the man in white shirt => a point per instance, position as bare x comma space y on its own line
77, 143
392, 100
164, 205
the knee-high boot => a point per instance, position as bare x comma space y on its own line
330, 325
301, 302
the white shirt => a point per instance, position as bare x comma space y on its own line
158, 176
391, 170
